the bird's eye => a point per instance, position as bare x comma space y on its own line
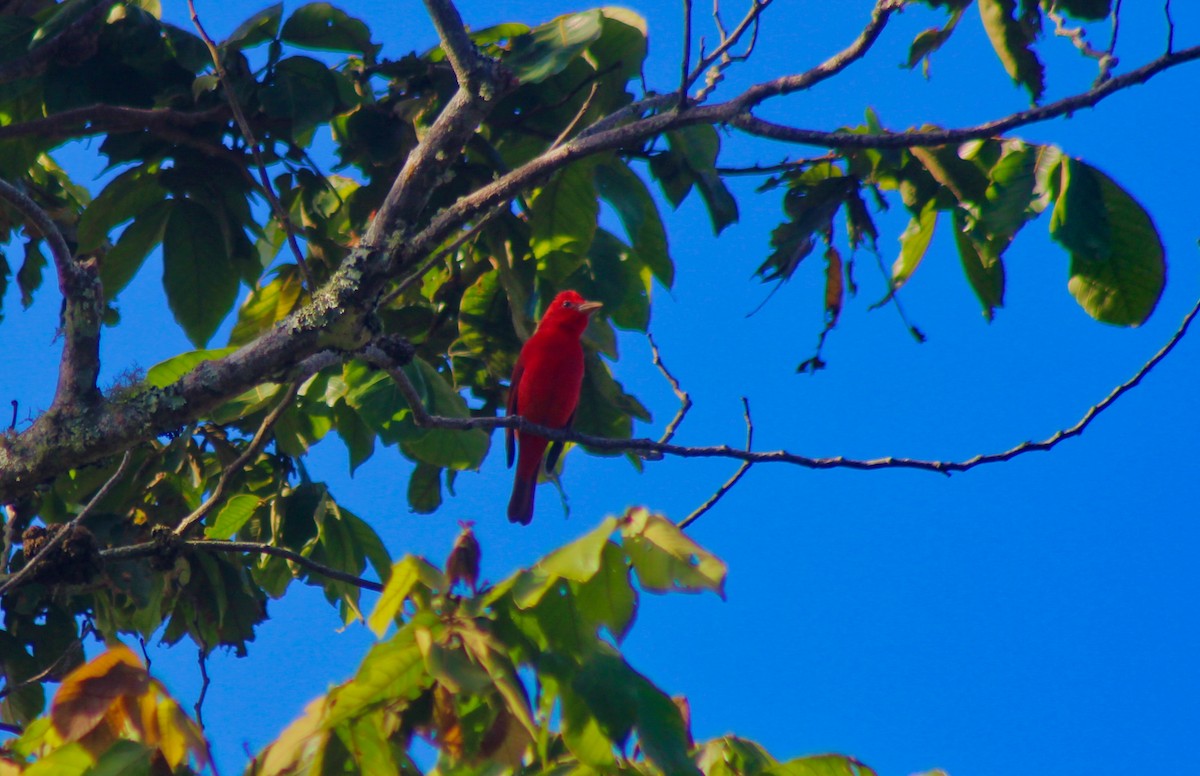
567, 305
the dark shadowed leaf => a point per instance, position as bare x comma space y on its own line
323, 26
123, 260
1089, 10
200, 282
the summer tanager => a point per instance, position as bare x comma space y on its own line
545, 389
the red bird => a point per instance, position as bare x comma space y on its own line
545, 389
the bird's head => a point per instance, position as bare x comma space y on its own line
570, 310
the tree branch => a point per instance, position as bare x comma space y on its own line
83, 305
66, 40
653, 449
13, 580
397, 241
728, 484
146, 549
239, 116
97, 119
1063, 107
685, 401
252, 449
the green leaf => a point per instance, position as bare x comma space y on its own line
820, 765
29, 277
548, 48
379, 403
124, 259
68, 760
266, 305
608, 597
1117, 259
407, 573
259, 28
1009, 199
322, 26
127, 195
930, 40
301, 90
982, 265
627, 193
580, 560
1012, 42
1088, 10
447, 448
615, 276
165, 373
392, 669
697, 147
199, 279
354, 433
913, 243
562, 221
666, 559
123, 758
425, 489
236, 512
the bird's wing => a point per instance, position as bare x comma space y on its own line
556, 447
510, 442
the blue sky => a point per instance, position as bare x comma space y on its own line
1035, 615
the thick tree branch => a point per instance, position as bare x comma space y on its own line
98, 119
401, 236
464, 58
83, 306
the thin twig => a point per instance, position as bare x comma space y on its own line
725, 488
239, 116
579, 114
74, 648
1170, 26
61, 536
1116, 28
202, 659
728, 41
252, 449
686, 61
685, 401
146, 549
649, 446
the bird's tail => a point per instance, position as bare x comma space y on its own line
520, 506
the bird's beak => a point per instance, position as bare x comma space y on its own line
587, 308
